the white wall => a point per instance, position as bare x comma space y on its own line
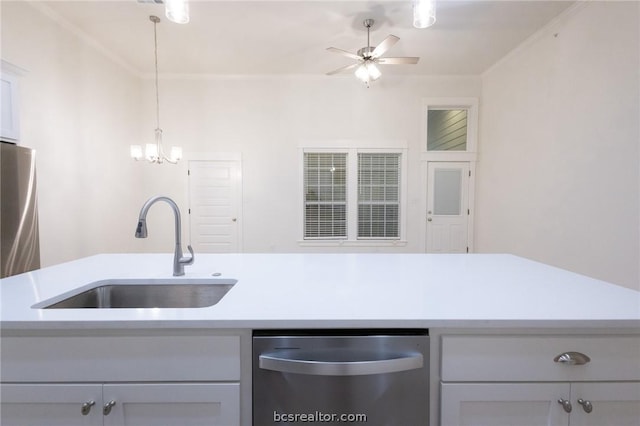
79, 112
267, 119
558, 177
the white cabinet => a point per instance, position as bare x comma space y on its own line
50, 405
507, 380
503, 404
611, 404
178, 379
537, 404
167, 404
172, 404
9, 119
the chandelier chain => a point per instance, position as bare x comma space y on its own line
155, 41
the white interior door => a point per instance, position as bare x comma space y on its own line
447, 207
215, 199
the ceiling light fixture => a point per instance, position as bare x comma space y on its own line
177, 11
154, 152
369, 57
368, 72
424, 13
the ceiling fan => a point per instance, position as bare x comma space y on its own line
369, 57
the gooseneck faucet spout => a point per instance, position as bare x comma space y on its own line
141, 232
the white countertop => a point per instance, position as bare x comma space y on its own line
335, 290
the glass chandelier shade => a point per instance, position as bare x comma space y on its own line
368, 72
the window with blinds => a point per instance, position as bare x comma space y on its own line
378, 195
325, 195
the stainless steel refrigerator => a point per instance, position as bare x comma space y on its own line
20, 246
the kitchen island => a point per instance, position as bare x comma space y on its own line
499, 307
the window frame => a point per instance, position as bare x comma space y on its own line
468, 104
352, 238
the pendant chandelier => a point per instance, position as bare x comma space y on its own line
154, 152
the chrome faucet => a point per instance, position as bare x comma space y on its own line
141, 232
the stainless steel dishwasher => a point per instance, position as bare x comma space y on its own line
373, 377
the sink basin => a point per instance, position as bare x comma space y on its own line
142, 293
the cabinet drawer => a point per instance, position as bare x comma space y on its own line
120, 358
531, 358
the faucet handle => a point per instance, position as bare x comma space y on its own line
188, 260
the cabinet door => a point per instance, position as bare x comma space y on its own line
616, 404
181, 404
503, 404
9, 124
50, 405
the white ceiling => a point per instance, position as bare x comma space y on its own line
267, 37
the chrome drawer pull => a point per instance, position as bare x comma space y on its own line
586, 405
566, 404
572, 358
86, 407
107, 407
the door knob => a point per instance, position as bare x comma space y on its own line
107, 407
86, 407
586, 405
429, 220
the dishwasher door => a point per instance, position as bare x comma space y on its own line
372, 377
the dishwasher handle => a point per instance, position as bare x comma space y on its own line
395, 364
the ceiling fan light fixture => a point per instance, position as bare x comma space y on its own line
362, 73
424, 13
177, 11
373, 70
368, 72
369, 57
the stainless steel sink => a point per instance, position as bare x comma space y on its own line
143, 293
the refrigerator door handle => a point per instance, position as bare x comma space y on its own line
393, 364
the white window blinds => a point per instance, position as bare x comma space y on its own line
378, 195
325, 195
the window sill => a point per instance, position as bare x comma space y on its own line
351, 243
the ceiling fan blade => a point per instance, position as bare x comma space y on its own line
398, 61
344, 53
384, 46
345, 68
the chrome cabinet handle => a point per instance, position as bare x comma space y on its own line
340, 368
572, 358
587, 406
86, 407
566, 404
107, 407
